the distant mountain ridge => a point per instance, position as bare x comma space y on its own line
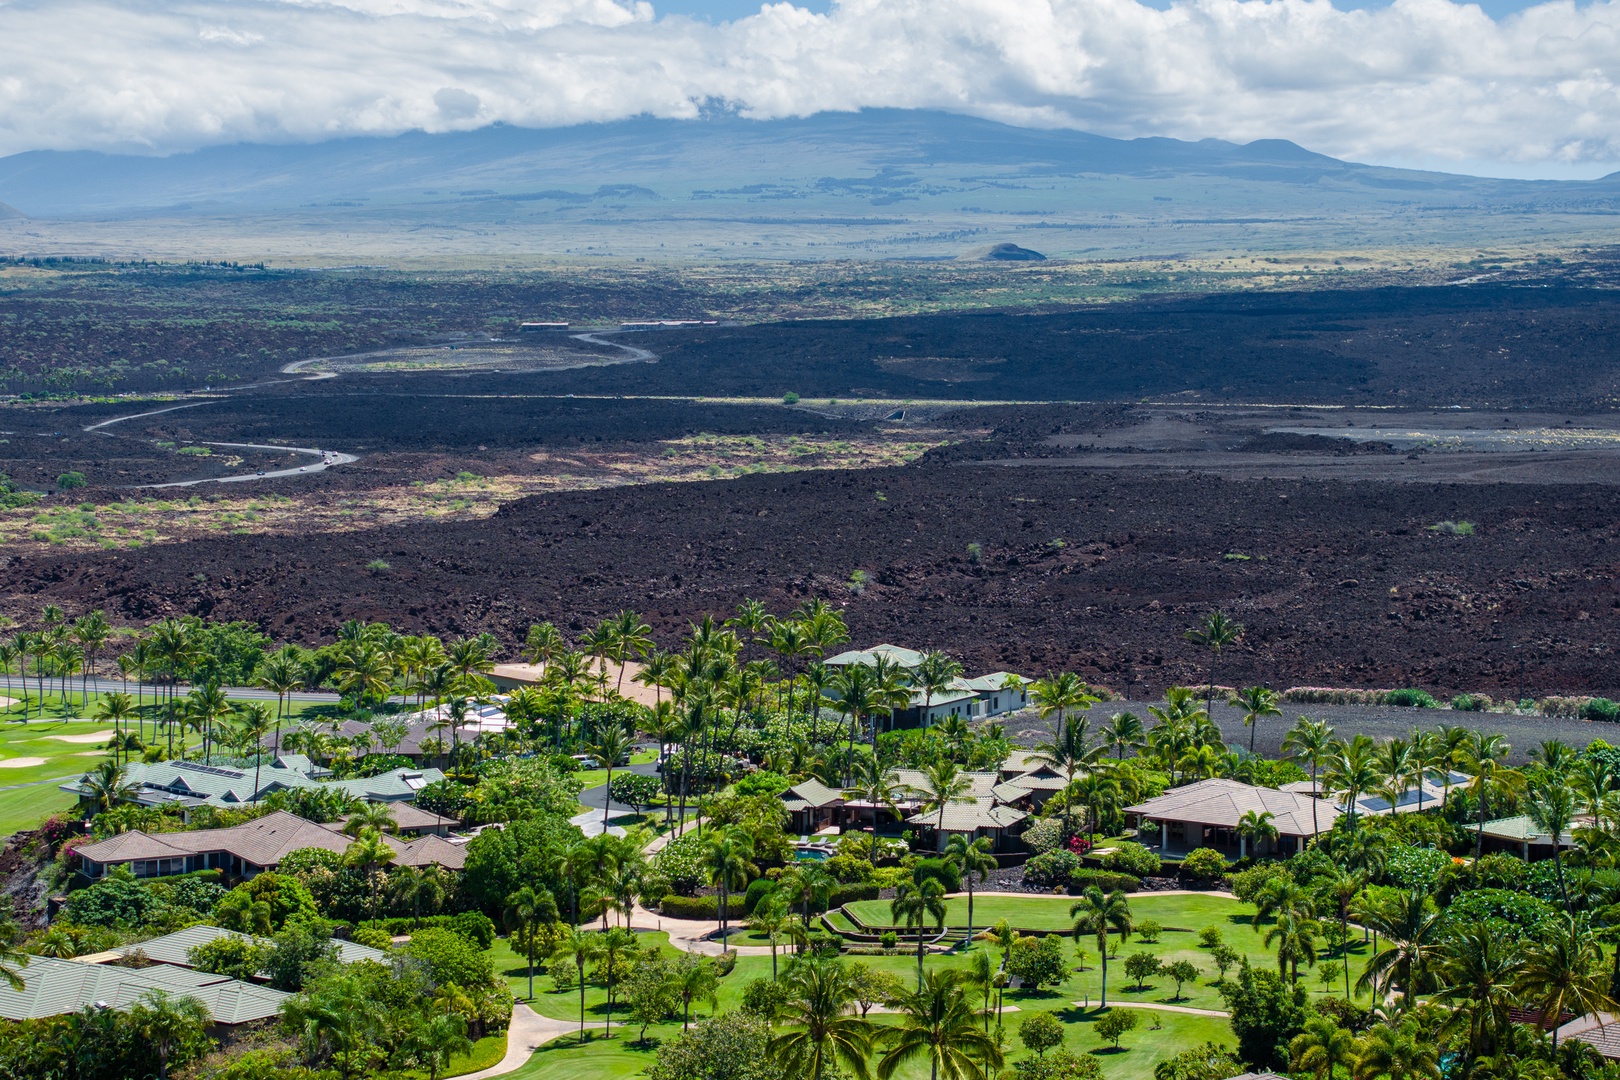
867, 154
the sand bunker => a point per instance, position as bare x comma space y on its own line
21, 762
98, 753
88, 737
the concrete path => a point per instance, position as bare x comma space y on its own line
695, 935
1151, 1007
529, 1032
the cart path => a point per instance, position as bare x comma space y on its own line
528, 1032
1152, 1007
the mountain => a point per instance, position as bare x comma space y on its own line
892, 182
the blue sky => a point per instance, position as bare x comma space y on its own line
717, 11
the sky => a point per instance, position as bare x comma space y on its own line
1507, 88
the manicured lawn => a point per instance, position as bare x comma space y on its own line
25, 807
485, 1052
1192, 912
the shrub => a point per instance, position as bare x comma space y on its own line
1453, 528
1062, 1065
1039, 960
1084, 877
1052, 868
763, 996
758, 890
943, 871
378, 566
849, 870
1266, 1012
372, 937
235, 957
681, 863
1149, 930
1250, 883
1412, 867
1044, 835
1115, 1024
296, 952
763, 782
1211, 1061
115, 902
889, 940
1411, 698
1513, 915
1142, 966
731, 1046
1203, 865
724, 964
790, 398
1131, 858
1209, 937
690, 907
1470, 703
68, 481
451, 958
473, 925
1040, 1032
1601, 709
848, 894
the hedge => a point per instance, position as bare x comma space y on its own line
1106, 880
690, 907
848, 894
472, 925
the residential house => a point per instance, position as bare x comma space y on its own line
242, 851
53, 987
175, 949
995, 694
190, 784
1207, 814
1525, 839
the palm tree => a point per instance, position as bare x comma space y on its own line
105, 786
281, 674
934, 675
943, 784
1340, 887
972, 859
1352, 772
616, 943
117, 708
544, 641
1563, 973
859, 695
611, 744
529, 908
822, 1036
1322, 1048
369, 852
1310, 742
12, 959
875, 785
771, 919
1094, 915
1484, 754
434, 1040
1388, 1052
1294, 934
630, 638
376, 816
1257, 829
1257, 703
430, 884
1123, 732
937, 1023
1067, 751
726, 858
165, 1021
1215, 633
980, 974
1478, 977
1552, 810
578, 948
914, 903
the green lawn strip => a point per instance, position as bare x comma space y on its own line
485, 1052
1192, 911
26, 807
1140, 1050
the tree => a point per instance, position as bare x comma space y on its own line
694, 980
1115, 1024
1257, 703
117, 709
1352, 772
1563, 973
873, 783
530, 908
12, 959
1267, 1012
771, 919
173, 1026
821, 1035
1123, 732
252, 725
1095, 914
1040, 1032
1067, 751
1388, 1052
1479, 973
1038, 960
617, 944
1484, 754
1215, 633
369, 853
938, 1024
980, 974
434, 1039
1182, 971
1322, 1048
943, 784
972, 859
1552, 811
1310, 742
578, 947
635, 790
650, 991
1225, 958
726, 855
1413, 932
916, 902
1142, 966
1294, 934
105, 786
732, 1046
1257, 829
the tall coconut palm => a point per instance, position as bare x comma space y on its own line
116, 708
1123, 732
281, 674
1552, 811
1257, 829
874, 785
1215, 633
1479, 976
1453, 752
106, 786
1096, 915
611, 744
973, 860
528, 909
821, 1036
1294, 936
91, 632
1257, 703
1352, 771
770, 920
726, 858
1396, 1052
1310, 742
914, 904
1322, 1048
253, 723
933, 677
980, 974
543, 642
578, 947
631, 638
1069, 751
937, 1023
942, 784
1484, 754
1563, 973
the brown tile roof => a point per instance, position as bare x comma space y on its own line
263, 842
431, 851
1223, 803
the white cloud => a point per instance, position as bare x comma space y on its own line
1420, 80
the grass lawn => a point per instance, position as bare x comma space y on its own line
485, 1052
25, 807
1191, 912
